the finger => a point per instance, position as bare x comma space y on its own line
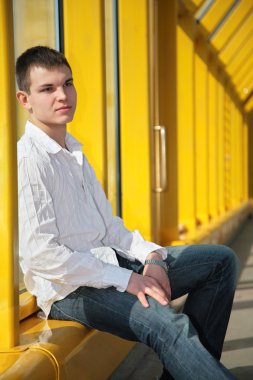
167, 288
143, 300
163, 290
160, 279
156, 286
168, 293
161, 298
164, 283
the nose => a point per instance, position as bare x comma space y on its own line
61, 94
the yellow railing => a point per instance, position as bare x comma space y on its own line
9, 279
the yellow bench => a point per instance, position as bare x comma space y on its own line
60, 350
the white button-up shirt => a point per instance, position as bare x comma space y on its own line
66, 227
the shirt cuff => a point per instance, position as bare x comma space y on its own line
117, 276
141, 248
145, 248
163, 252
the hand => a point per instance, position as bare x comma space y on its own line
158, 273
140, 285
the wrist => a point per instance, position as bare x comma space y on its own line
154, 255
160, 263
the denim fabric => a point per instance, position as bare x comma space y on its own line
189, 344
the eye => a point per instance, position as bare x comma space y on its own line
47, 89
68, 84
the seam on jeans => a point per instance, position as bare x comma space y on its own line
215, 295
189, 266
70, 317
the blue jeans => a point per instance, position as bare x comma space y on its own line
189, 344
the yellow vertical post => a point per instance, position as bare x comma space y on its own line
9, 312
236, 155
250, 154
84, 48
111, 104
240, 156
245, 162
233, 153
221, 145
201, 152
212, 138
227, 149
135, 115
238, 141
185, 99
164, 103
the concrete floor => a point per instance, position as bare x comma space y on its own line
238, 347
143, 364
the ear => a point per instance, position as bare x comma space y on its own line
22, 97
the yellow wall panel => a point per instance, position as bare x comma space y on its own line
241, 173
134, 115
249, 104
201, 120
164, 112
239, 59
212, 139
186, 148
244, 87
249, 121
243, 72
220, 143
245, 163
236, 154
227, 149
234, 142
84, 48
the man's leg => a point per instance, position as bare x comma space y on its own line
208, 273
172, 336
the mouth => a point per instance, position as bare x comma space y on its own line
64, 108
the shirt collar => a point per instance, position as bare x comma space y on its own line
49, 144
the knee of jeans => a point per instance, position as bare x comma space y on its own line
231, 259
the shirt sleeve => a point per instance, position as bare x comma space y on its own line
117, 235
40, 250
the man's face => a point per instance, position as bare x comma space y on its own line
52, 98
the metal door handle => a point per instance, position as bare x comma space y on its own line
160, 156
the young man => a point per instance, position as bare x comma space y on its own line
80, 261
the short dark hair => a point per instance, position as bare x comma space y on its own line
40, 56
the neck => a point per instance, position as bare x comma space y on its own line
57, 133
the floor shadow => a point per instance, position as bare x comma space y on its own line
243, 305
243, 373
243, 284
238, 344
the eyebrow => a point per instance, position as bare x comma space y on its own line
51, 84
